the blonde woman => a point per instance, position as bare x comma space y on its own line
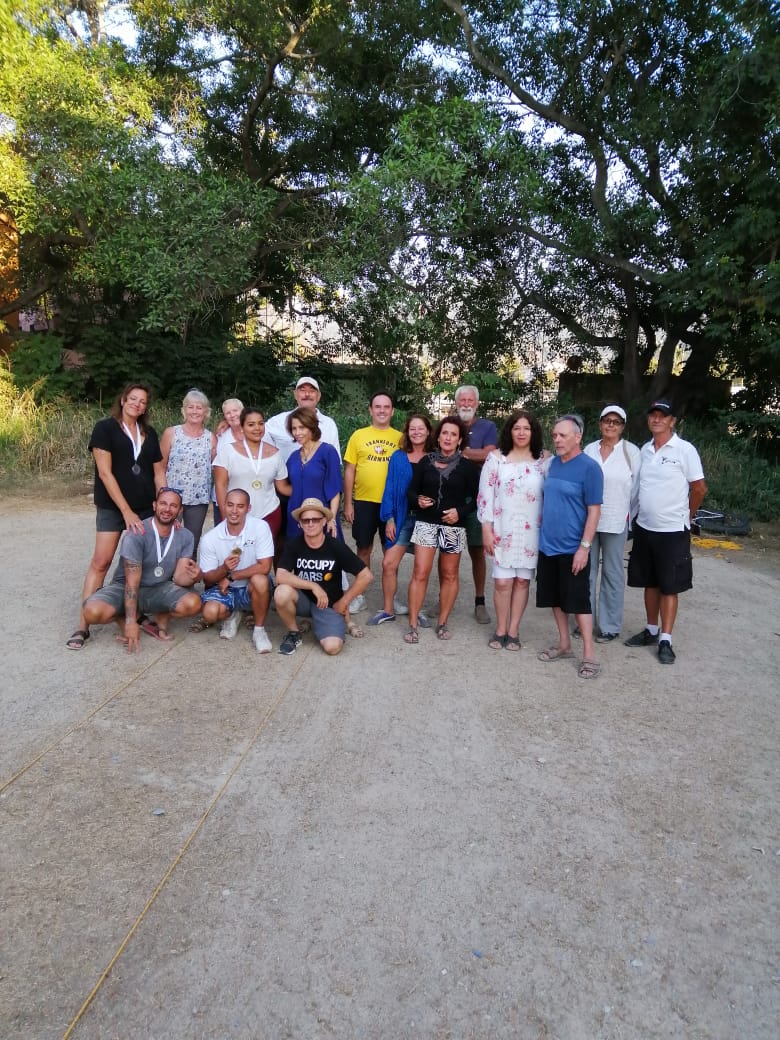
188, 451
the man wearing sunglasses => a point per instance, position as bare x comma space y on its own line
309, 582
155, 576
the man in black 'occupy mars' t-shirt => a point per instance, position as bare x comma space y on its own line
308, 581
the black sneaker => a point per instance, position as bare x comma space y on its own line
643, 638
607, 637
290, 643
665, 653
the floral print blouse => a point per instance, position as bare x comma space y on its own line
510, 498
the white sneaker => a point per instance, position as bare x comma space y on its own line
230, 626
399, 607
261, 640
357, 604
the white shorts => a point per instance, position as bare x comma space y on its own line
513, 572
440, 536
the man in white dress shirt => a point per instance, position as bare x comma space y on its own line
307, 395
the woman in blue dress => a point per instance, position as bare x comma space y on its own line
314, 470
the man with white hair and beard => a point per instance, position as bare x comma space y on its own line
481, 439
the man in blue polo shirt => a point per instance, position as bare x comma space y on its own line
573, 492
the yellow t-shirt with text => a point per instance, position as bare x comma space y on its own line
369, 450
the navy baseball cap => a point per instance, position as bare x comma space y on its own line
662, 405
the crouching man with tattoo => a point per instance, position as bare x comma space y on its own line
154, 577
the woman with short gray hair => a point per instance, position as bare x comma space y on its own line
188, 451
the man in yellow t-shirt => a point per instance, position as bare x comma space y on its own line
365, 472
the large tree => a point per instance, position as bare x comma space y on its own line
619, 174
204, 158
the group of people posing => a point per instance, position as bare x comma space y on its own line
277, 489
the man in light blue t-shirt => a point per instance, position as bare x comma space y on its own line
573, 492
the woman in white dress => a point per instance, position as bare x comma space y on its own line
256, 467
509, 506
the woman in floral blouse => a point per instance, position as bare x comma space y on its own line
509, 506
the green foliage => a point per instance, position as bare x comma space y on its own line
208, 161
37, 365
739, 479
496, 393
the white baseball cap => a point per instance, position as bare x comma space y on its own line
613, 409
307, 381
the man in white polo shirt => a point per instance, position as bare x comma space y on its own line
671, 489
235, 558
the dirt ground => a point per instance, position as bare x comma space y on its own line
440, 841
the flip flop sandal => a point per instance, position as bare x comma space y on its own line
497, 642
199, 625
412, 635
442, 632
153, 629
554, 653
512, 643
355, 630
589, 670
78, 639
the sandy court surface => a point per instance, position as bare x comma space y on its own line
440, 841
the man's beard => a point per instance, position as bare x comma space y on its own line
466, 414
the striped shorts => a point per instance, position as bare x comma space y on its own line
440, 536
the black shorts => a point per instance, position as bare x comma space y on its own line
556, 586
111, 521
661, 560
284, 502
366, 524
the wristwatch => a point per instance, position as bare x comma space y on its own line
585, 545
229, 575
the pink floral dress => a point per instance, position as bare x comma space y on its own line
510, 498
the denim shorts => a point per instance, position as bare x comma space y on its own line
404, 535
325, 621
236, 598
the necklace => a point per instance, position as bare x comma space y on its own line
161, 553
137, 442
257, 482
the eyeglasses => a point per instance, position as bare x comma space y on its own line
176, 491
311, 519
578, 421
612, 422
